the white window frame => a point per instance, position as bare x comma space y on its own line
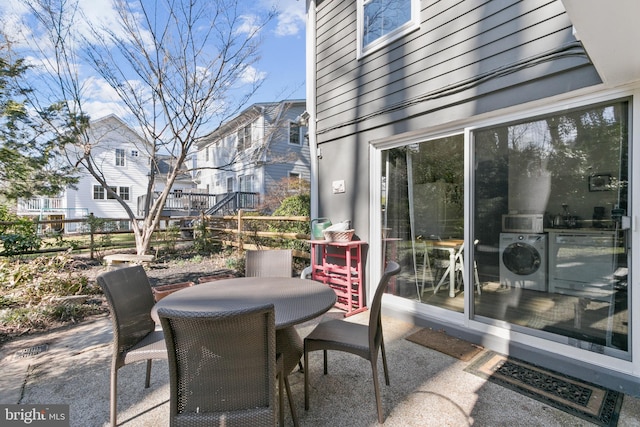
293, 125
121, 155
404, 29
98, 190
246, 183
245, 137
124, 193
115, 190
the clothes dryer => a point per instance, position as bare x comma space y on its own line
523, 260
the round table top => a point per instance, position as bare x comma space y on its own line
295, 300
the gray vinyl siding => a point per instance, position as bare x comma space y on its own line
285, 158
503, 52
467, 58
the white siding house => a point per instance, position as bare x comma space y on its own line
123, 158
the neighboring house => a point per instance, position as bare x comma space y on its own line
505, 128
247, 156
183, 183
181, 200
122, 156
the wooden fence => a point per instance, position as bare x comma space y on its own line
242, 231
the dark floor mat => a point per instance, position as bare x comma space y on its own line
588, 401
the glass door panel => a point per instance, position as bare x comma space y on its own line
550, 213
423, 220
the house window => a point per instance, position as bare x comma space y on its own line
230, 185
293, 182
120, 155
134, 153
382, 21
111, 196
244, 138
294, 133
98, 192
206, 154
246, 183
124, 193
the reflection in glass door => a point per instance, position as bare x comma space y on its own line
423, 220
551, 213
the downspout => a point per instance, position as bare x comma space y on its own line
311, 102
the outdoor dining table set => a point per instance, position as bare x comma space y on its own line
290, 300
228, 342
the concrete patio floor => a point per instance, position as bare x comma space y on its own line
427, 387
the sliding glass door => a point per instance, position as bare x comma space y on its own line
549, 218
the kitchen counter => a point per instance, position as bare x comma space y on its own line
580, 230
582, 261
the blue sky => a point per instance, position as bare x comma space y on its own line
282, 52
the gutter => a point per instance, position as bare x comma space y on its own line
311, 102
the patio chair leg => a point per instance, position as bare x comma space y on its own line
376, 387
325, 361
113, 399
306, 381
147, 380
281, 400
294, 415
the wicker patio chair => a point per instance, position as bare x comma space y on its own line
269, 263
362, 340
222, 367
128, 293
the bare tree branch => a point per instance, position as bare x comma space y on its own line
176, 65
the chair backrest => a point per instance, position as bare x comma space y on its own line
222, 366
268, 263
128, 293
375, 322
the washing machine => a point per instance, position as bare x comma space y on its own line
523, 260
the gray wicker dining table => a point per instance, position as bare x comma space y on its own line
295, 301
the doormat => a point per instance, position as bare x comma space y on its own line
588, 401
439, 341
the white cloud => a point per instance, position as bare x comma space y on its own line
102, 99
249, 25
98, 109
291, 18
252, 75
11, 20
12, 7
